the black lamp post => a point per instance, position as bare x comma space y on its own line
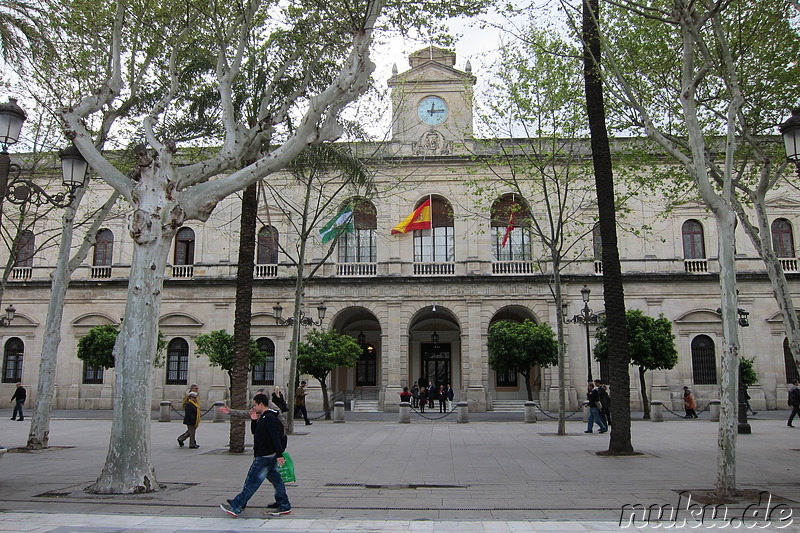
585, 317
791, 138
305, 321
741, 395
5, 321
11, 119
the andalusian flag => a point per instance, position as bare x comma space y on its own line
341, 223
419, 219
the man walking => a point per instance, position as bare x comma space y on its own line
300, 402
19, 396
268, 448
594, 410
794, 402
605, 402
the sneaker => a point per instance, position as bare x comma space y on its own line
180, 443
273, 505
281, 513
602, 431
588, 431
227, 509
309, 423
230, 502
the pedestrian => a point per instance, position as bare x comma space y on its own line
415, 395
300, 402
747, 402
192, 388
431, 393
450, 394
594, 410
20, 395
191, 417
688, 403
442, 399
423, 399
405, 396
278, 399
605, 402
269, 443
794, 402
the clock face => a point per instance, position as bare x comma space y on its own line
432, 110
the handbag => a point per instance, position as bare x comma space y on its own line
287, 469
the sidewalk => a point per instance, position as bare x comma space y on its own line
373, 474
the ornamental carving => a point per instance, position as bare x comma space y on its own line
432, 143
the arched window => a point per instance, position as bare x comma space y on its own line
264, 374
24, 249
184, 247
436, 245
12, 360
367, 367
789, 363
782, 240
267, 246
177, 362
103, 248
704, 361
510, 223
693, 241
92, 375
359, 246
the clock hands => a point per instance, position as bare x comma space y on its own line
433, 109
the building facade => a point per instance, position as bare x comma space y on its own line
420, 303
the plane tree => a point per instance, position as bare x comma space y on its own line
520, 346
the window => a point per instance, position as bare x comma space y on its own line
359, 245
704, 362
436, 245
177, 361
184, 247
693, 242
367, 367
103, 248
782, 240
24, 248
267, 246
505, 378
597, 247
92, 375
264, 374
789, 363
510, 223
12, 360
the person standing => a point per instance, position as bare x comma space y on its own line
405, 396
20, 395
688, 403
423, 399
593, 397
415, 395
442, 399
450, 394
268, 448
191, 417
431, 393
278, 399
794, 402
300, 402
605, 402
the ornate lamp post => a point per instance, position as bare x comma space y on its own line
11, 119
5, 321
744, 425
305, 321
791, 138
585, 317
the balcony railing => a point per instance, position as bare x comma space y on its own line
182, 271
434, 269
100, 272
598, 268
513, 267
788, 264
21, 273
357, 270
265, 271
694, 266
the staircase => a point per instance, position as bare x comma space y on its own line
508, 406
365, 406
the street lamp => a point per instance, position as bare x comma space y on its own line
5, 321
791, 138
11, 118
585, 317
73, 174
305, 321
744, 425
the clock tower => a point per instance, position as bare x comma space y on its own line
431, 103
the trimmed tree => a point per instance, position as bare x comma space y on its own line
651, 346
324, 351
518, 347
96, 348
218, 346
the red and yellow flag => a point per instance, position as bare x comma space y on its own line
509, 229
419, 219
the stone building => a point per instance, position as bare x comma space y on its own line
420, 303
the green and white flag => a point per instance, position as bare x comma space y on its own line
343, 222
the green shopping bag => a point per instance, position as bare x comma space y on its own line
287, 470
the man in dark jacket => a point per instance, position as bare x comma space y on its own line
268, 448
19, 396
794, 402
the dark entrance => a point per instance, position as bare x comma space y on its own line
436, 363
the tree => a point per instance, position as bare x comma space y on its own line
518, 347
146, 60
96, 348
218, 346
22, 28
651, 346
747, 372
323, 352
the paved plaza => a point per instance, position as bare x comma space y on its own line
493, 474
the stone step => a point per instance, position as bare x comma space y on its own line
365, 406
509, 406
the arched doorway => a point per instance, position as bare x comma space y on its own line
435, 349
364, 380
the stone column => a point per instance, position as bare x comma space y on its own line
530, 412
713, 409
657, 411
164, 411
218, 417
338, 413
474, 362
405, 413
463, 412
394, 357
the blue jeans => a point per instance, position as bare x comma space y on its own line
18, 409
261, 469
594, 416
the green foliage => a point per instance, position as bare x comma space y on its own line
517, 347
96, 348
324, 351
747, 372
218, 346
651, 343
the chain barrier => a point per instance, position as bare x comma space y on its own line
684, 415
204, 413
422, 413
579, 409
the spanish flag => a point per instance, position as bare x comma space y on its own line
419, 219
509, 229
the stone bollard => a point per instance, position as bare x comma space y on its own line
218, 417
713, 409
585, 412
164, 413
530, 412
338, 413
405, 413
656, 411
463, 413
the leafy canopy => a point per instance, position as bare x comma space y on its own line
324, 351
515, 346
219, 348
96, 348
651, 343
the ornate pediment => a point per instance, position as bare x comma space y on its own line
432, 143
